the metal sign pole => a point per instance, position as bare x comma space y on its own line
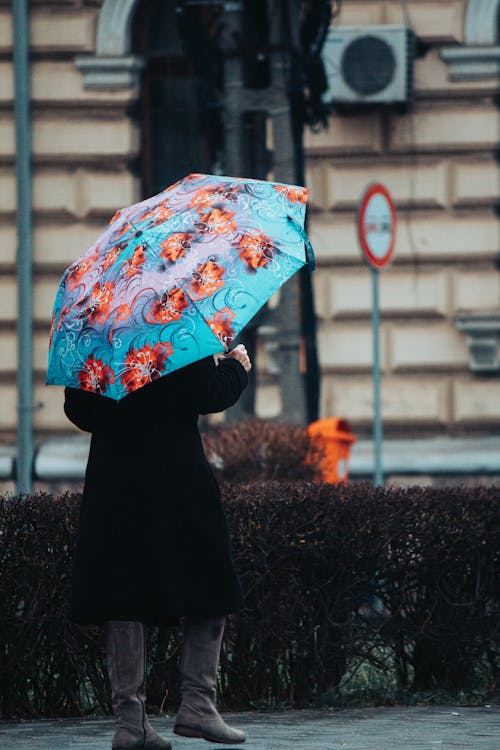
377, 236
378, 477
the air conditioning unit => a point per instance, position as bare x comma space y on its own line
369, 65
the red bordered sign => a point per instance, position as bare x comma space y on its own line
377, 225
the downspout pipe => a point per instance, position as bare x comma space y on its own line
24, 260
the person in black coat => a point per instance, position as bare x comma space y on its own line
153, 543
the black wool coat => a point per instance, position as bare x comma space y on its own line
153, 542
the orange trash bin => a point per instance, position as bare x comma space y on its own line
333, 435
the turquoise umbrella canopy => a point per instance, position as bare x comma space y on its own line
174, 279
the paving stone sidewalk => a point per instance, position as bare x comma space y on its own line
401, 728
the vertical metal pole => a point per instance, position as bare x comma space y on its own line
378, 477
233, 90
292, 387
24, 247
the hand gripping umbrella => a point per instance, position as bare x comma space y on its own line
174, 279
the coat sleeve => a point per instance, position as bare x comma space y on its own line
217, 387
87, 410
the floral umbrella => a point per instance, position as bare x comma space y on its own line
174, 279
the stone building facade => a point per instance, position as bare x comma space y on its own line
440, 299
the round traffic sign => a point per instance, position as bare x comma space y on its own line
377, 225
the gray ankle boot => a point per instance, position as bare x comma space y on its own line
197, 715
125, 656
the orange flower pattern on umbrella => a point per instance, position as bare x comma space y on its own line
122, 312
98, 307
218, 221
145, 365
256, 250
207, 278
206, 197
95, 376
158, 215
113, 254
221, 326
295, 194
175, 246
78, 270
168, 307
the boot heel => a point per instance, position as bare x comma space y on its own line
184, 731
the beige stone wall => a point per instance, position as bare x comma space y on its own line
82, 144
438, 161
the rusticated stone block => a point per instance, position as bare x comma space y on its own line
316, 184
6, 35
61, 244
320, 281
63, 82
6, 79
348, 347
7, 190
438, 347
101, 193
79, 192
8, 406
59, 82
41, 350
421, 185
8, 353
362, 134
434, 238
63, 30
8, 242
83, 136
408, 294
360, 14
8, 298
8, 358
476, 290
476, 401
476, 183
7, 135
62, 139
421, 401
431, 21
45, 289
432, 77
451, 128
49, 413
333, 239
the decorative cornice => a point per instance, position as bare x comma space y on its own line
483, 340
110, 72
481, 22
113, 28
479, 58
112, 67
472, 63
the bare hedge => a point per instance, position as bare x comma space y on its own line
256, 450
407, 581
